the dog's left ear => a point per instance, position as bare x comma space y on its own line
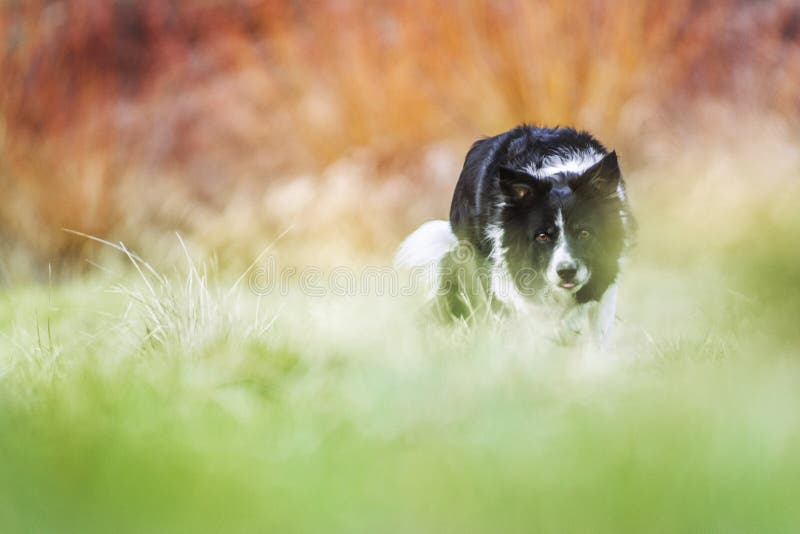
601, 179
520, 187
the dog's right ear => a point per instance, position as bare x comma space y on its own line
601, 179
520, 187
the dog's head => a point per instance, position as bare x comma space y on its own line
563, 233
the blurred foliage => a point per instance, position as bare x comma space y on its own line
119, 117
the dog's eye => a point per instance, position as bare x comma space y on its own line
584, 234
542, 237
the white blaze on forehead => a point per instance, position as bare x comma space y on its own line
561, 253
560, 221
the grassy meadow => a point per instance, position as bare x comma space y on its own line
199, 151
179, 401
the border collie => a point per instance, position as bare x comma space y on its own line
539, 221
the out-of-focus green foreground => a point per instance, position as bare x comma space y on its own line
197, 409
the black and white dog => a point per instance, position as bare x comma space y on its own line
539, 221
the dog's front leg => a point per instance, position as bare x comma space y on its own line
576, 322
603, 317
592, 321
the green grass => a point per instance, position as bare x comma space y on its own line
184, 407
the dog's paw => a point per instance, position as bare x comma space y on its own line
569, 330
574, 324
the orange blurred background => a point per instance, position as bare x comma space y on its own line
343, 122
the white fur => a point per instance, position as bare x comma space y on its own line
562, 254
502, 283
604, 318
572, 162
594, 321
427, 244
424, 249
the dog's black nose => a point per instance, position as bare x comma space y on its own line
567, 270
